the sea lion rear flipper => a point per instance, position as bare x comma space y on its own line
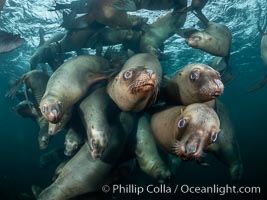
9, 41
12, 92
186, 33
259, 85
125, 5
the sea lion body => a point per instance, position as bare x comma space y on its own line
111, 36
95, 111
226, 149
137, 84
215, 39
186, 131
41, 55
194, 83
105, 13
155, 34
146, 152
69, 83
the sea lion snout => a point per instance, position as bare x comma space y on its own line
218, 88
52, 112
97, 148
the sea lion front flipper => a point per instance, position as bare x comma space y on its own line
259, 85
125, 5
201, 17
41, 36
12, 92
9, 41
186, 33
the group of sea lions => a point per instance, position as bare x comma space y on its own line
122, 108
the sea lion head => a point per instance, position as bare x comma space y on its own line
52, 109
134, 88
197, 83
198, 127
71, 146
55, 128
43, 140
98, 144
199, 39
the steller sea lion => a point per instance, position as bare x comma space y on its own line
69, 83
42, 55
95, 112
155, 34
215, 39
52, 50
146, 152
194, 83
186, 131
137, 85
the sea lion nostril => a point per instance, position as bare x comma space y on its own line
150, 72
55, 112
190, 149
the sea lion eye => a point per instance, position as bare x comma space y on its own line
181, 123
214, 137
94, 144
60, 104
128, 74
194, 76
